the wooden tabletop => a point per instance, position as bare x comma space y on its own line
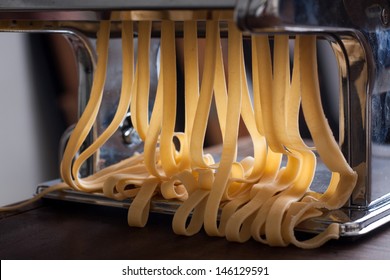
68, 230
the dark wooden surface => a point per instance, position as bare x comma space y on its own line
65, 230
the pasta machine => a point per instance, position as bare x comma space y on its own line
357, 32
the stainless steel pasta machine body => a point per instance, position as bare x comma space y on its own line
357, 31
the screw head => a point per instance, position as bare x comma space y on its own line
385, 16
129, 134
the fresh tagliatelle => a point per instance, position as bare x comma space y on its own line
254, 197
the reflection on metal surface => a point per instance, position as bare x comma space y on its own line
129, 134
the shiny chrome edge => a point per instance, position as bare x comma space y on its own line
373, 218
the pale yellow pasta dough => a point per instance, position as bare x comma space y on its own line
253, 197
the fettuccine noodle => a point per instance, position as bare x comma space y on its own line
254, 197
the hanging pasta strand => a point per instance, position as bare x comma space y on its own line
196, 202
327, 147
140, 104
88, 117
339, 190
229, 151
205, 97
191, 90
123, 107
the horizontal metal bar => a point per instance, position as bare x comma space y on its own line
366, 219
39, 5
